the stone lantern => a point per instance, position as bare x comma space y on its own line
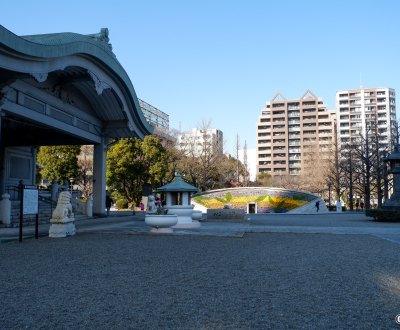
394, 160
178, 193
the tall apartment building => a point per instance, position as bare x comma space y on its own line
358, 108
197, 141
288, 129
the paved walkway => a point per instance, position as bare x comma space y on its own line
331, 223
270, 272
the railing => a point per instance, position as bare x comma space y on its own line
13, 191
47, 200
45, 196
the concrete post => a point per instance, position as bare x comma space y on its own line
5, 209
338, 206
54, 190
99, 178
89, 207
168, 199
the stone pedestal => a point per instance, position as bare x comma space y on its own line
62, 227
197, 215
89, 207
161, 223
184, 213
5, 209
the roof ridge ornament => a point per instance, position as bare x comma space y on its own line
102, 36
278, 97
309, 95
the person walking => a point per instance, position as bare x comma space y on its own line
317, 205
109, 203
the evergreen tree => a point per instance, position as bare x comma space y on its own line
58, 163
132, 163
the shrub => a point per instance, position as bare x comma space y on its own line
121, 204
384, 215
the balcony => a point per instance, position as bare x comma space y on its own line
325, 132
295, 165
280, 155
309, 104
294, 114
293, 107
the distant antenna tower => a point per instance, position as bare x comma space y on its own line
245, 164
361, 84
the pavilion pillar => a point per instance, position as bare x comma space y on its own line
99, 178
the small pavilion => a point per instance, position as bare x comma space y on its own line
178, 195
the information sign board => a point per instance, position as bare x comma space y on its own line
31, 200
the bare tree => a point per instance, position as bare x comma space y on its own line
85, 176
349, 174
202, 158
314, 174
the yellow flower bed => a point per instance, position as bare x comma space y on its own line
262, 201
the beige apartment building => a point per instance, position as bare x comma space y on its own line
360, 108
289, 130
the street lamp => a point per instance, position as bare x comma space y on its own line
71, 181
329, 194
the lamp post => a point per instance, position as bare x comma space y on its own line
394, 162
329, 194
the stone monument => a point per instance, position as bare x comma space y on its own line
62, 220
151, 205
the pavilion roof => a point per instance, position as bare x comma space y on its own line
177, 185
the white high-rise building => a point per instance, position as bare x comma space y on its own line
198, 141
358, 109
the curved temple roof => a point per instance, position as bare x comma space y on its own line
62, 51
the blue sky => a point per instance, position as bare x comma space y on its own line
204, 60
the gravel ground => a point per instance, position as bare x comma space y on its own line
260, 281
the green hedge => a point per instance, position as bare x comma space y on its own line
121, 204
384, 215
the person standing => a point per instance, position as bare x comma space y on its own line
109, 203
